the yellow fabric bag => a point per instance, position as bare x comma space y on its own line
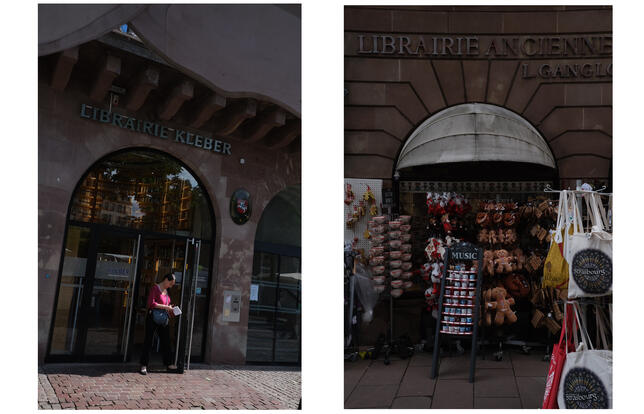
555, 268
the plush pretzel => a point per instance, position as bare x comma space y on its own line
482, 219
497, 218
509, 219
535, 230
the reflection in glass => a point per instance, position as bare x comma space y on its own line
201, 305
111, 292
287, 326
261, 316
70, 292
144, 190
274, 320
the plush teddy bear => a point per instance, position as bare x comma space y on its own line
488, 262
498, 302
502, 261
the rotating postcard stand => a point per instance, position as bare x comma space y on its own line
459, 303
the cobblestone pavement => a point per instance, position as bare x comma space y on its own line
84, 386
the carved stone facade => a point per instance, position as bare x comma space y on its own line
120, 73
550, 65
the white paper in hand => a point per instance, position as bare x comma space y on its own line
176, 311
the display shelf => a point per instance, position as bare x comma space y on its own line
456, 333
458, 297
454, 255
458, 323
450, 305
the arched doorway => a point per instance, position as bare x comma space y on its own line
135, 216
274, 321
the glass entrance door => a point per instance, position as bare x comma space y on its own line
191, 287
105, 282
108, 302
159, 256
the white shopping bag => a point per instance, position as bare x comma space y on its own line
590, 254
587, 376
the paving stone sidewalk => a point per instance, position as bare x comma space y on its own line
89, 386
518, 381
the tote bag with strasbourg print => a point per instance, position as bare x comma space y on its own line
586, 381
590, 254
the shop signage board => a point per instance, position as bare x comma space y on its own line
203, 142
588, 57
459, 303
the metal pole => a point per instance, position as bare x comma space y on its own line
351, 303
128, 323
475, 319
194, 300
183, 280
439, 317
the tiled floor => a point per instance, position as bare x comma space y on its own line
518, 381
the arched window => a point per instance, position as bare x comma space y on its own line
144, 190
274, 321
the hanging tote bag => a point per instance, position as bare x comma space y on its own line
555, 268
590, 254
557, 360
587, 376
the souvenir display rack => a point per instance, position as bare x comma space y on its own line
459, 300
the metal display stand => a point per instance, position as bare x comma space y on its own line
453, 278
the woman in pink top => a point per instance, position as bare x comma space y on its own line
158, 299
